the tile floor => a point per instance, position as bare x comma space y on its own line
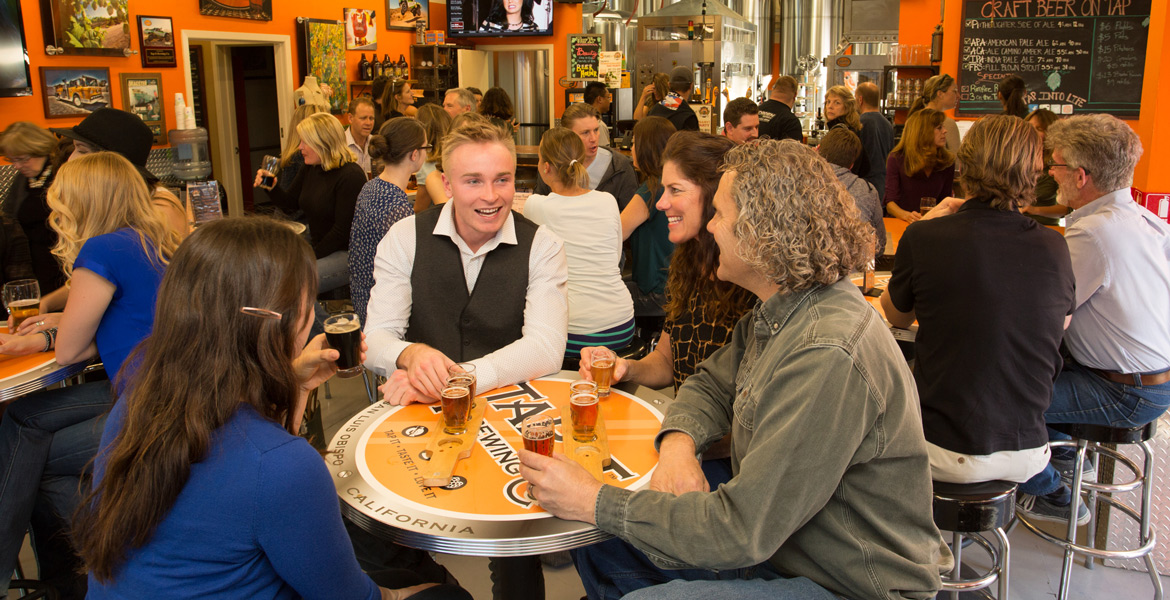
1035, 565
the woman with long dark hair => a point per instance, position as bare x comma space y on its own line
643, 224
919, 166
202, 489
397, 100
497, 107
1011, 93
113, 246
701, 310
509, 15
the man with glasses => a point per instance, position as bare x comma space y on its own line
1118, 369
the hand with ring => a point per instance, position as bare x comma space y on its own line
41, 323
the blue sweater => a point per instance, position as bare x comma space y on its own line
257, 519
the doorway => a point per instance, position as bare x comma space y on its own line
254, 68
525, 72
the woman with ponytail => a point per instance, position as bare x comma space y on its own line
601, 312
401, 147
941, 93
202, 488
1012, 92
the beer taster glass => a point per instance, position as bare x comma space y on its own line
462, 374
580, 386
538, 434
272, 165
456, 404
22, 298
601, 363
926, 203
344, 334
583, 413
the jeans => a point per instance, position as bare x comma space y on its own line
46, 441
332, 271
1082, 396
611, 569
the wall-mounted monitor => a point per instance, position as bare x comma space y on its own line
499, 18
15, 78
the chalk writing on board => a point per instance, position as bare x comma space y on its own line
1074, 55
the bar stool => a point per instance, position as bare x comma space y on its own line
969, 511
30, 589
1095, 437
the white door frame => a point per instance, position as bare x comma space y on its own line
551, 72
227, 141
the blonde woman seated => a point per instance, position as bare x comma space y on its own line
601, 312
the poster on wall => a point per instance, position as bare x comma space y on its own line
87, 28
406, 14
361, 33
322, 55
584, 57
256, 10
74, 91
142, 95
156, 37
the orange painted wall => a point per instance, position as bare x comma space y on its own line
185, 15
916, 22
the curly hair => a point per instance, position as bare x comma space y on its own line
496, 103
698, 157
100, 193
1000, 155
796, 225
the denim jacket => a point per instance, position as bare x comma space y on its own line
831, 480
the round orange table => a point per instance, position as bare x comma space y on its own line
375, 459
22, 375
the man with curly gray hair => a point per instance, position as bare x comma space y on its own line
1119, 336
831, 494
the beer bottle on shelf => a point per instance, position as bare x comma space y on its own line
403, 67
376, 67
820, 123
364, 68
388, 66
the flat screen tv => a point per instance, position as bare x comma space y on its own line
499, 18
15, 78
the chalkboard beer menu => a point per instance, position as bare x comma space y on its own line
584, 57
1076, 56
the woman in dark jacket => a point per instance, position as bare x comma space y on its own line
31, 150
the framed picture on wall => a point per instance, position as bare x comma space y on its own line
156, 37
74, 91
142, 95
361, 31
87, 28
322, 54
406, 14
257, 10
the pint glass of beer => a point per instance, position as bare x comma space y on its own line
344, 334
583, 413
22, 298
601, 363
456, 403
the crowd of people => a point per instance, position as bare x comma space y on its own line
798, 457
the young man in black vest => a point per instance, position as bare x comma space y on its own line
470, 281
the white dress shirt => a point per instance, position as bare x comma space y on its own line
361, 153
541, 347
1121, 259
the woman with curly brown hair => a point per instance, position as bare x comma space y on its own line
497, 107
700, 309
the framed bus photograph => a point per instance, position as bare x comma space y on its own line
142, 95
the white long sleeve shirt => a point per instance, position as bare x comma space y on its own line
541, 347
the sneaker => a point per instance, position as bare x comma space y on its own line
1065, 467
1039, 508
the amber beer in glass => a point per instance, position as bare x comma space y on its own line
456, 403
462, 374
22, 298
601, 363
538, 435
583, 412
344, 334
